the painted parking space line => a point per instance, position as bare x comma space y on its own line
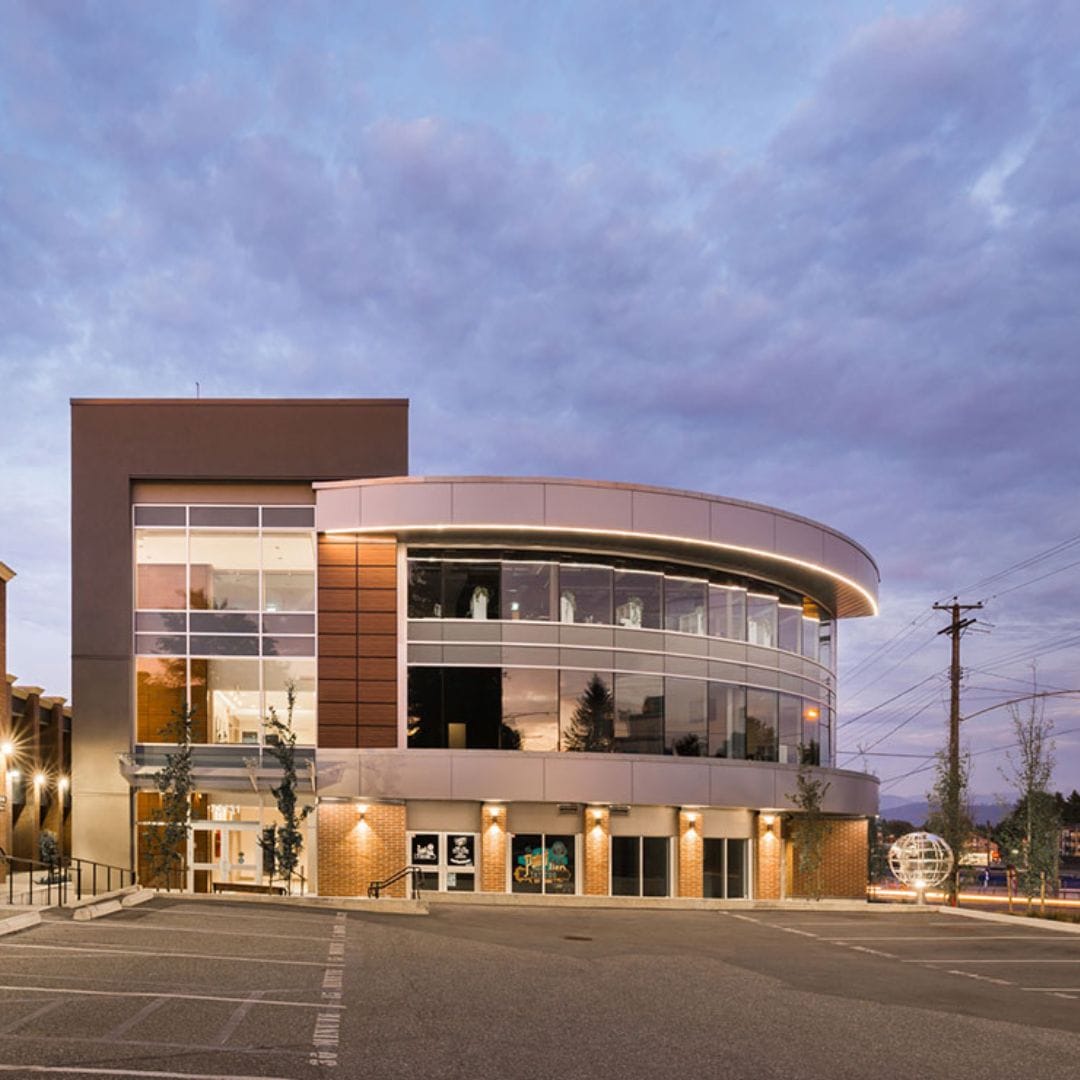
1051, 989
159, 954
942, 937
135, 1019
83, 1070
82, 927
237, 1018
981, 978
178, 997
999, 960
246, 915
326, 1038
26, 1018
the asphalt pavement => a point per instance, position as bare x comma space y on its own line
186, 988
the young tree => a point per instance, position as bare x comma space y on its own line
287, 840
810, 828
167, 841
592, 727
950, 815
1034, 827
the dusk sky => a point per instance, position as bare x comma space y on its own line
824, 256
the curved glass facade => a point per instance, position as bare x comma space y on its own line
545, 651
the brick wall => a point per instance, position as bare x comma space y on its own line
493, 848
844, 865
357, 642
355, 850
597, 830
768, 858
691, 853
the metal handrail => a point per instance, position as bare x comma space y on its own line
59, 874
414, 873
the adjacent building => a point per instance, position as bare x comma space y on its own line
521, 685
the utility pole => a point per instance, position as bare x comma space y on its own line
951, 811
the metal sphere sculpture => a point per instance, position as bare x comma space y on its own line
920, 859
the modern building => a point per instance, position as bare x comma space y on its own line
35, 759
522, 685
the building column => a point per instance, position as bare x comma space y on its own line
597, 831
493, 856
768, 858
691, 854
358, 843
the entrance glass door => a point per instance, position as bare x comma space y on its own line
225, 855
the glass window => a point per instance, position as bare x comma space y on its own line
530, 709
586, 711
585, 594
288, 517
224, 645
288, 646
791, 736
558, 864
761, 620
225, 516
825, 644
288, 571
654, 866
160, 622
727, 612
161, 515
712, 868
527, 590
727, 721
161, 645
472, 707
288, 624
543, 863
425, 708
811, 629
425, 589
790, 628
825, 736
811, 715
160, 693
761, 708
160, 568
278, 675
225, 571
639, 598
626, 866
471, 590
684, 605
685, 728
223, 622
230, 700
639, 714
737, 863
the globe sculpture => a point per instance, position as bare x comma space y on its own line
920, 859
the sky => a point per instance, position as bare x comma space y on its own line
824, 257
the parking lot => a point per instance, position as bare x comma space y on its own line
187, 988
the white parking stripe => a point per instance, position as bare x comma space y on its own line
160, 954
82, 927
135, 1019
25, 1019
179, 997
943, 937
238, 1014
936, 961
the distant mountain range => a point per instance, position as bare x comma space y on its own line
985, 808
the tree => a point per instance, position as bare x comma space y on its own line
49, 850
950, 815
592, 727
286, 842
1034, 827
810, 828
167, 841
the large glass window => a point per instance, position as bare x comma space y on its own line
724, 869
789, 628
542, 862
685, 727
639, 714
530, 709
472, 707
425, 724
448, 860
639, 599
684, 605
791, 736
586, 711
225, 570
471, 590
826, 736
231, 699
639, 866
727, 612
278, 677
811, 629
761, 618
727, 721
160, 693
160, 568
585, 594
528, 590
761, 710
288, 571
425, 589
826, 655
811, 715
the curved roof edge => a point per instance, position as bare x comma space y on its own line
742, 535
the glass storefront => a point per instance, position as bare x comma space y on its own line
447, 859
725, 869
543, 863
640, 866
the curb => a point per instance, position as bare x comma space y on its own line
385, 906
13, 923
95, 911
1024, 921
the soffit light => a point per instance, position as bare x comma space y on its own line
790, 560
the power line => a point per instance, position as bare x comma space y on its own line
887, 701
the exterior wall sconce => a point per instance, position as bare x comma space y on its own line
62, 784
39, 779
494, 814
770, 824
597, 816
361, 811
691, 820
7, 748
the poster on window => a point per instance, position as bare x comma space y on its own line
461, 849
425, 849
